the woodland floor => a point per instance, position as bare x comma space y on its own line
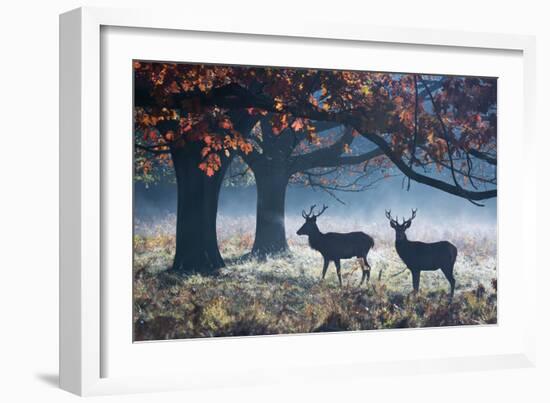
284, 294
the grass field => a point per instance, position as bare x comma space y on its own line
284, 294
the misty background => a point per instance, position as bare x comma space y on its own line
158, 201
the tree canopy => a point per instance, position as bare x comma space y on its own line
437, 130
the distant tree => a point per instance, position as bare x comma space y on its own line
439, 131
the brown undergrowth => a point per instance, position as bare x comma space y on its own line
284, 294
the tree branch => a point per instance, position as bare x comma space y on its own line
351, 160
427, 180
444, 163
323, 157
230, 95
153, 149
483, 156
447, 140
366, 121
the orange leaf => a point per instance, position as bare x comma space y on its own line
278, 104
246, 148
298, 124
226, 124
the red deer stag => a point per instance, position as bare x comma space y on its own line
335, 246
421, 256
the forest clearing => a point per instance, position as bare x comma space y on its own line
284, 294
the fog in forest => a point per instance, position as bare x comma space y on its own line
156, 202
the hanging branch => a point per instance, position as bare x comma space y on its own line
483, 156
354, 186
427, 180
444, 164
470, 165
447, 141
413, 152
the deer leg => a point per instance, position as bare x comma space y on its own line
450, 278
325, 266
337, 264
363, 278
416, 280
366, 270
368, 267
362, 263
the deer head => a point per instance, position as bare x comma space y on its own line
400, 228
310, 226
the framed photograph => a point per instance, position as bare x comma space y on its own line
236, 197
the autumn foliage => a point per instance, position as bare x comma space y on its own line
429, 123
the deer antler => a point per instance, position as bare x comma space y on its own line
389, 217
322, 211
308, 215
412, 216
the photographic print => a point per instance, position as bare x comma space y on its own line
280, 200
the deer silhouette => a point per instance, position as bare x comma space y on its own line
336, 246
421, 256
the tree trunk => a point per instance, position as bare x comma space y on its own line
270, 212
196, 240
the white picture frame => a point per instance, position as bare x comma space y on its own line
82, 297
